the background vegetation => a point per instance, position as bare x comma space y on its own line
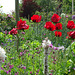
29, 59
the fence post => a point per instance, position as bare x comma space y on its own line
17, 18
45, 45
72, 7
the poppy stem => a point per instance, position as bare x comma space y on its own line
33, 54
17, 43
56, 41
37, 28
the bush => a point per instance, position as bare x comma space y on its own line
28, 8
7, 22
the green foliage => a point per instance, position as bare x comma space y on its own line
67, 6
73, 46
1, 6
69, 63
7, 22
30, 45
24, 46
9, 36
35, 43
71, 58
2, 37
48, 5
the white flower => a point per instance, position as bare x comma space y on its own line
61, 47
63, 15
70, 60
66, 54
46, 43
2, 54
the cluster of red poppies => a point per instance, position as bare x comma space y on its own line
21, 25
55, 18
71, 34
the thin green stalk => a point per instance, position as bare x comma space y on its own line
17, 43
56, 41
58, 55
33, 63
33, 49
34, 33
39, 60
37, 29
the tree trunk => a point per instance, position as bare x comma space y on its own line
17, 10
72, 7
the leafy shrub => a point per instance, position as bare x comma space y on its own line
71, 57
48, 5
2, 39
35, 43
28, 8
7, 23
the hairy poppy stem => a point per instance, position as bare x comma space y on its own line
33, 63
17, 43
56, 41
37, 28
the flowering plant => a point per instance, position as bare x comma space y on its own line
21, 25
27, 57
36, 18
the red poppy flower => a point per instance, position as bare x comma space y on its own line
55, 18
49, 26
13, 31
58, 34
70, 25
22, 25
36, 18
71, 35
74, 26
68, 37
58, 26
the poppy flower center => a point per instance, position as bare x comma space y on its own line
57, 28
34, 20
50, 29
58, 35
